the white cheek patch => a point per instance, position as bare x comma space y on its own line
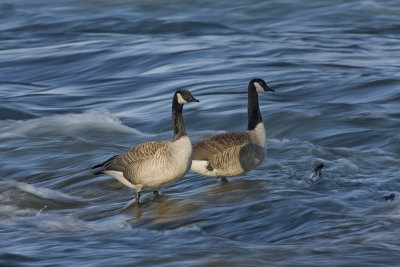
259, 88
180, 99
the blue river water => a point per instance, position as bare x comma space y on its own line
83, 80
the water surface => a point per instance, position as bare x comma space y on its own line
83, 80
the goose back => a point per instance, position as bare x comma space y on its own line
137, 153
216, 144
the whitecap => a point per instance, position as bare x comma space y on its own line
41, 191
20, 194
346, 165
72, 222
10, 213
94, 120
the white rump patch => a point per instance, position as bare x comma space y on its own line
200, 166
180, 99
259, 88
120, 177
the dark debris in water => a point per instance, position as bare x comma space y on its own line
318, 169
389, 197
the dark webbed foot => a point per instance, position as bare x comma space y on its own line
224, 180
155, 192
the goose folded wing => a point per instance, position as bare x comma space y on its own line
216, 144
138, 153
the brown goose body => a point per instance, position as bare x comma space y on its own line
157, 163
234, 153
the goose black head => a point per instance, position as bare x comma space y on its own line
184, 96
260, 85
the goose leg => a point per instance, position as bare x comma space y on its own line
137, 197
223, 179
155, 192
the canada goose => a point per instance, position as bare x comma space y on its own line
234, 153
157, 163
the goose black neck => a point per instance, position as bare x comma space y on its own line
177, 119
253, 108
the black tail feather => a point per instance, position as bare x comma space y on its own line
98, 169
97, 166
102, 165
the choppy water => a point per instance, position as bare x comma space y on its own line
83, 80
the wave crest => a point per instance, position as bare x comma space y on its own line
94, 120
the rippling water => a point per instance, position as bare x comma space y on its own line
83, 80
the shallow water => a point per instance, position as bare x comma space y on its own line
83, 80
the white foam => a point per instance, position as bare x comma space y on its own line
15, 188
346, 165
69, 222
41, 191
49, 219
10, 214
65, 124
